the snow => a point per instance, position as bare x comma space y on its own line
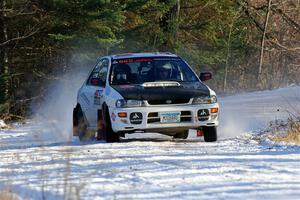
2, 124
38, 161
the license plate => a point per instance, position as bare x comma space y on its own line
170, 117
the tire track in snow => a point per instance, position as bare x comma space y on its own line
35, 163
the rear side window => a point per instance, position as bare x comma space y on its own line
99, 73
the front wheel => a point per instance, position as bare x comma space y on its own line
108, 134
210, 133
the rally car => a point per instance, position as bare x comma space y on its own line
145, 92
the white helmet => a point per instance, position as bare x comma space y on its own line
167, 66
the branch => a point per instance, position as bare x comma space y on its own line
196, 6
49, 77
20, 38
247, 12
17, 13
21, 14
287, 18
271, 37
275, 8
29, 99
192, 36
276, 42
295, 65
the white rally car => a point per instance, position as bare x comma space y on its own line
145, 92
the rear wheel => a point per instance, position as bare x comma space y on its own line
181, 135
108, 134
82, 130
210, 133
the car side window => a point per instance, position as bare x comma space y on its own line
99, 73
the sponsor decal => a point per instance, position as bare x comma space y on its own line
113, 117
136, 118
203, 113
97, 97
133, 60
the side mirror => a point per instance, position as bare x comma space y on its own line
204, 76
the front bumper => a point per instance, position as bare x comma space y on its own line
189, 118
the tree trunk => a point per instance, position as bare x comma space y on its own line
175, 23
169, 25
227, 58
4, 69
263, 41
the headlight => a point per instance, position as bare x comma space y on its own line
122, 103
205, 100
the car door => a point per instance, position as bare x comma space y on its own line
94, 91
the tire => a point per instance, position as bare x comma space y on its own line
181, 135
109, 135
83, 133
210, 133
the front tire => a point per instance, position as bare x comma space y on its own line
210, 133
109, 135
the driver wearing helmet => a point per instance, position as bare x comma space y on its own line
164, 71
122, 74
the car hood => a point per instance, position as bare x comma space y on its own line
184, 90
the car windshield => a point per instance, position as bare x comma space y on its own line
141, 70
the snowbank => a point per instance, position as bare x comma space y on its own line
2, 124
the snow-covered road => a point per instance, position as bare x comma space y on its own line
37, 163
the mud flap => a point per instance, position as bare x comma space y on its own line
100, 126
195, 133
75, 121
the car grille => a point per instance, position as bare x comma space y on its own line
153, 117
168, 101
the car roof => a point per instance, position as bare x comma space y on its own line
143, 55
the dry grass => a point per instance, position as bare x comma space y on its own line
8, 195
288, 132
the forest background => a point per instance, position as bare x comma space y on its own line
247, 44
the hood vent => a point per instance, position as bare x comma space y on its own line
161, 84
168, 101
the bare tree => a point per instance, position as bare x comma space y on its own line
263, 39
19, 21
228, 44
4, 68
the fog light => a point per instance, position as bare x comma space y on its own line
214, 110
123, 121
122, 114
213, 117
